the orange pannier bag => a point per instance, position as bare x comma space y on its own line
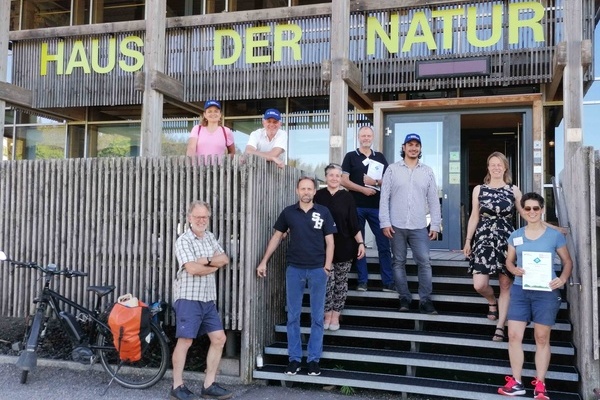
130, 327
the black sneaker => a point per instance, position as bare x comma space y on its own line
215, 391
292, 368
404, 305
183, 393
426, 307
313, 368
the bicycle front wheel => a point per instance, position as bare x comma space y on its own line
140, 374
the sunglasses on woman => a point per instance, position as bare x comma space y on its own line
534, 208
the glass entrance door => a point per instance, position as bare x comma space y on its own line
440, 137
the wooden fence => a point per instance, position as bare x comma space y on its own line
117, 219
578, 198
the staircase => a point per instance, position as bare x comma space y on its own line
450, 355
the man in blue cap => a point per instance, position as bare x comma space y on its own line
270, 141
408, 193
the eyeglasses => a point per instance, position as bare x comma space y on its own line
201, 217
534, 208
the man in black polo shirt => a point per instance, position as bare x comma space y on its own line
365, 190
309, 256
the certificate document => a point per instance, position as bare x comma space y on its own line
538, 270
375, 171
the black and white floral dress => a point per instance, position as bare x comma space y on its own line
490, 241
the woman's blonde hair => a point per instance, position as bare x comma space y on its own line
507, 175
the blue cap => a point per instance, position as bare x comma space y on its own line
412, 136
272, 113
212, 103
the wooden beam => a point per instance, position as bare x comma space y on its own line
16, 95
171, 89
353, 78
79, 30
4, 28
154, 62
559, 61
338, 88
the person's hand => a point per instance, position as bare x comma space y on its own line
556, 283
433, 235
388, 232
327, 269
278, 162
368, 191
367, 180
361, 251
261, 270
467, 249
519, 271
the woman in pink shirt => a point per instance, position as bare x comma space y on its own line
210, 137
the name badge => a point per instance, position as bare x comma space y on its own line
366, 161
517, 241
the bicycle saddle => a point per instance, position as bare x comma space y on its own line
101, 290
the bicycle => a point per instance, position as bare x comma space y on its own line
89, 332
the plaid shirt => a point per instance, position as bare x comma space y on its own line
189, 248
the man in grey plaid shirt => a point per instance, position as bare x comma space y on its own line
199, 256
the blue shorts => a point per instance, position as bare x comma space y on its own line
533, 305
195, 318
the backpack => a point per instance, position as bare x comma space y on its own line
130, 327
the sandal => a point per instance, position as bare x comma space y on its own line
498, 337
492, 315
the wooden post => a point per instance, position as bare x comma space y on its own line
154, 53
579, 202
4, 31
573, 78
338, 89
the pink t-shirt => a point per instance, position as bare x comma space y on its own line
211, 143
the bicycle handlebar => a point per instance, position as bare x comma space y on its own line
51, 269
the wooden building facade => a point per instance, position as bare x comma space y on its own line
105, 78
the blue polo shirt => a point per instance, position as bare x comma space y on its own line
307, 234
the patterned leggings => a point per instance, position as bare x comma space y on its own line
337, 286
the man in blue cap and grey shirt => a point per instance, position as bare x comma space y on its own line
408, 193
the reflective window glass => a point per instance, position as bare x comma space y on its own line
309, 143
119, 140
46, 13
39, 142
175, 137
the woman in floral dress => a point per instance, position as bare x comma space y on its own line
490, 225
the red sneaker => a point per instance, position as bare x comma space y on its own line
512, 387
540, 390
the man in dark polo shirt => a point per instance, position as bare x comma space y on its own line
309, 256
365, 190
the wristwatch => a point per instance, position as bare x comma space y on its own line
209, 260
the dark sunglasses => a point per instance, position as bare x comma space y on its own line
534, 208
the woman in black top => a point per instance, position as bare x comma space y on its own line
348, 242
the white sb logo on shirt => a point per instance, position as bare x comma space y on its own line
318, 220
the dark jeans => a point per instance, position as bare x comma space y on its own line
371, 215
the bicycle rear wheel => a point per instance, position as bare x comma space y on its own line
140, 374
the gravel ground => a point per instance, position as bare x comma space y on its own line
59, 379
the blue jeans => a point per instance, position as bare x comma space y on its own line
296, 280
371, 215
418, 240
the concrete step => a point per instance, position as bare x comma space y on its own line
459, 297
395, 383
451, 318
448, 339
429, 360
